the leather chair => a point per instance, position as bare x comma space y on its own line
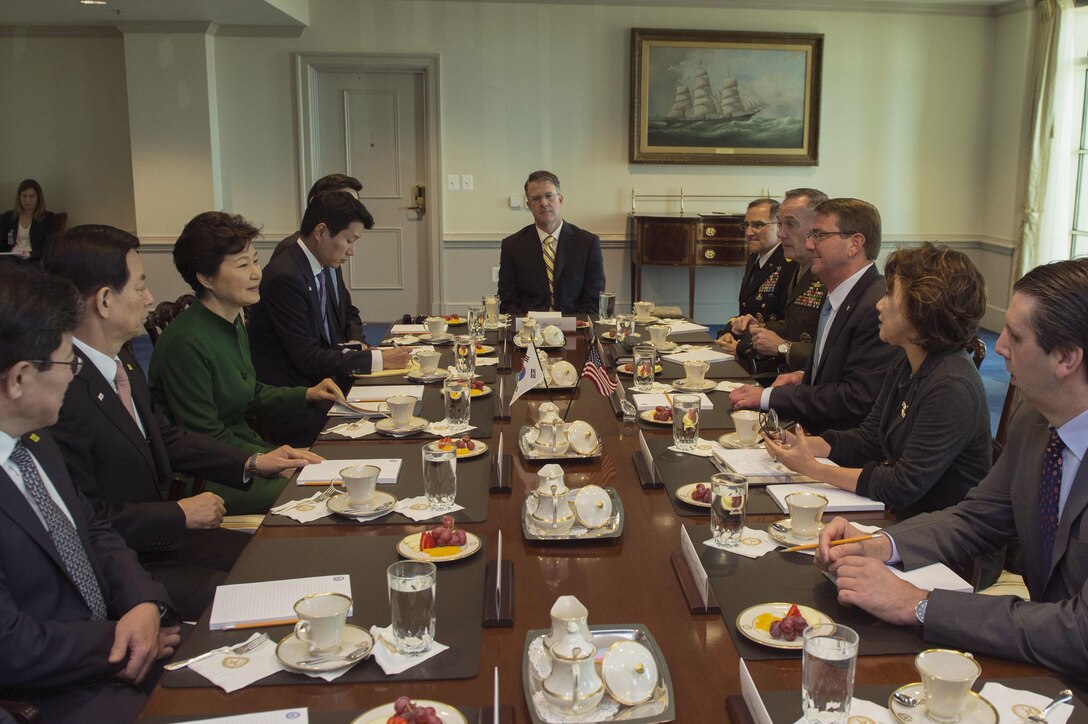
164, 314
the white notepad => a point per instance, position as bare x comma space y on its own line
681, 326
758, 466
704, 353
241, 605
327, 472
838, 500
379, 393
286, 716
408, 329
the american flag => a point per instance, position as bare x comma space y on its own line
595, 373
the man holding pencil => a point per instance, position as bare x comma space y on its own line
1037, 491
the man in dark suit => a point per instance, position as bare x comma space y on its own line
347, 316
1037, 491
79, 618
841, 380
550, 264
122, 457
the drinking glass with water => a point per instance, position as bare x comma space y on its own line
606, 307
476, 322
464, 354
685, 421
645, 359
457, 396
439, 477
827, 673
412, 589
728, 500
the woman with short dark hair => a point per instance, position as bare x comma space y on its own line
926, 442
201, 372
25, 229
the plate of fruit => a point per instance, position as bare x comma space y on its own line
478, 388
439, 544
406, 711
454, 319
779, 625
695, 494
465, 446
660, 415
628, 368
482, 349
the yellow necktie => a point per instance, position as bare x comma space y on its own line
549, 264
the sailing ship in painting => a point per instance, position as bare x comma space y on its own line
726, 104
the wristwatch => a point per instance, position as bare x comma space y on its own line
251, 466
784, 348
920, 611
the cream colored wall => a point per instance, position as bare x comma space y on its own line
65, 123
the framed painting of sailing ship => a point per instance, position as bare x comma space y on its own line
719, 97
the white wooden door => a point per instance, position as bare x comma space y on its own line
371, 125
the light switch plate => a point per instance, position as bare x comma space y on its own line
453, 182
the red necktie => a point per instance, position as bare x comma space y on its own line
124, 391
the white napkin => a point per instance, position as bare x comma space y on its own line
753, 544
656, 387
445, 429
727, 386
1011, 703
231, 672
486, 361
291, 509
407, 508
394, 663
703, 449
862, 710
354, 430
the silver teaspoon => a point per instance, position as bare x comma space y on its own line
1063, 697
906, 699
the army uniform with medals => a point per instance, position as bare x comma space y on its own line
798, 327
763, 289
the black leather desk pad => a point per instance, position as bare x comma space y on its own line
727, 370
459, 618
487, 373
678, 469
481, 414
473, 481
785, 706
740, 582
718, 419
472, 714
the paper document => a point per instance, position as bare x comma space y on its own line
650, 400
757, 463
291, 716
241, 605
407, 329
678, 326
703, 353
838, 501
567, 324
378, 393
327, 472
934, 576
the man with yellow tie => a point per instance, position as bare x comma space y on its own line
550, 264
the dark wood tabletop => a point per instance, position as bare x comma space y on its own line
623, 581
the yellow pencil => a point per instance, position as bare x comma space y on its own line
261, 624
843, 541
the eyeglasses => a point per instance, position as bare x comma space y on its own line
819, 236
755, 226
549, 197
75, 364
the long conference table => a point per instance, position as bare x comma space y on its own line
631, 579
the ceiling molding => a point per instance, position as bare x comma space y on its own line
983, 8
261, 31
187, 27
1014, 6
59, 31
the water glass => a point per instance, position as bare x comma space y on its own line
625, 326
606, 307
728, 499
439, 477
491, 309
827, 673
476, 322
685, 421
456, 393
412, 589
464, 354
645, 359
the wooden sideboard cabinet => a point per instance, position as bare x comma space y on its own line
682, 240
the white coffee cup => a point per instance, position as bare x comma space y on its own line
399, 409
746, 423
643, 310
947, 677
659, 333
321, 620
806, 509
436, 326
428, 361
695, 372
360, 481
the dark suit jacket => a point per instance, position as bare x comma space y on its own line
40, 231
126, 476
763, 289
46, 633
523, 278
285, 336
348, 320
839, 394
1052, 629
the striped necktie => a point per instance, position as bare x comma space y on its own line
549, 264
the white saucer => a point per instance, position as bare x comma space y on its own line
342, 504
731, 441
647, 320
704, 386
665, 346
978, 711
436, 339
406, 339
439, 374
291, 650
787, 537
385, 426
592, 506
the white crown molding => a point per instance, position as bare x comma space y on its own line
59, 31
1013, 6
199, 27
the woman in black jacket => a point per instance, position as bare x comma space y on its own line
25, 229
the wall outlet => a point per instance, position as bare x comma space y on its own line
467, 183
453, 182
495, 274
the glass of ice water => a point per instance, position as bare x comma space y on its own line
476, 322
456, 393
645, 359
625, 326
491, 309
728, 499
412, 588
464, 353
685, 421
827, 673
606, 307
439, 477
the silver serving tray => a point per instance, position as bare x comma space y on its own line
661, 707
531, 454
611, 529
